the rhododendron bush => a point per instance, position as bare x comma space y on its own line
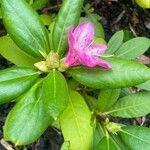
68, 77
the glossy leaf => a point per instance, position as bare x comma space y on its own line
124, 73
76, 123
51, 27
68, 15
99, 41
107, 98
115, 42
46, 19
143, 3
133, 48
135, 105
107, 143
90, 100
128, 35
0, 13
15, 81
13, 53
145, 85
65, 146
136, 138
28, 119
56, 93
25, 27
39, 4
98, 135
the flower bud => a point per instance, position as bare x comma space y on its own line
52, 60
42, 66
62, 67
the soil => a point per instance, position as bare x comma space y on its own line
116, 15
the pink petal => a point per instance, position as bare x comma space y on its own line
92, 61
103, 63
71, 58
71, 39
81, 49
86, 60
84, 35
96, 49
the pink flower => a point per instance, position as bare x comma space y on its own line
82, 50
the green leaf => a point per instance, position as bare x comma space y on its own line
15, 81
56, 93
46, 19
11, 52
68, 15
124, 73
107, 98
136, 138
145, 85
107, 143
133, 48
90, 100
25, 27
0, 13
51, 27
76, 123
65, 146
135, 105
38, 4
28, 119
128, 35
99, 41
115, 42
98, 135
143, 3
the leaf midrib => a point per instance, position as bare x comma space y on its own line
76, 120
18, 77
128, 107
32, 35
135, 137
63, 30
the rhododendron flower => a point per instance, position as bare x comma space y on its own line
82, 50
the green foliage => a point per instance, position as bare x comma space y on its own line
145, 85
133, 48
98, 135
15, 81
68, 15
106, 99
130, 49
115, 42
107, 143
44, 96
124, 73
46, 19
55, 93
13, 53
76, 123
28, 119
37, 4
31, 36
136, 138
143, 3
131, 106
